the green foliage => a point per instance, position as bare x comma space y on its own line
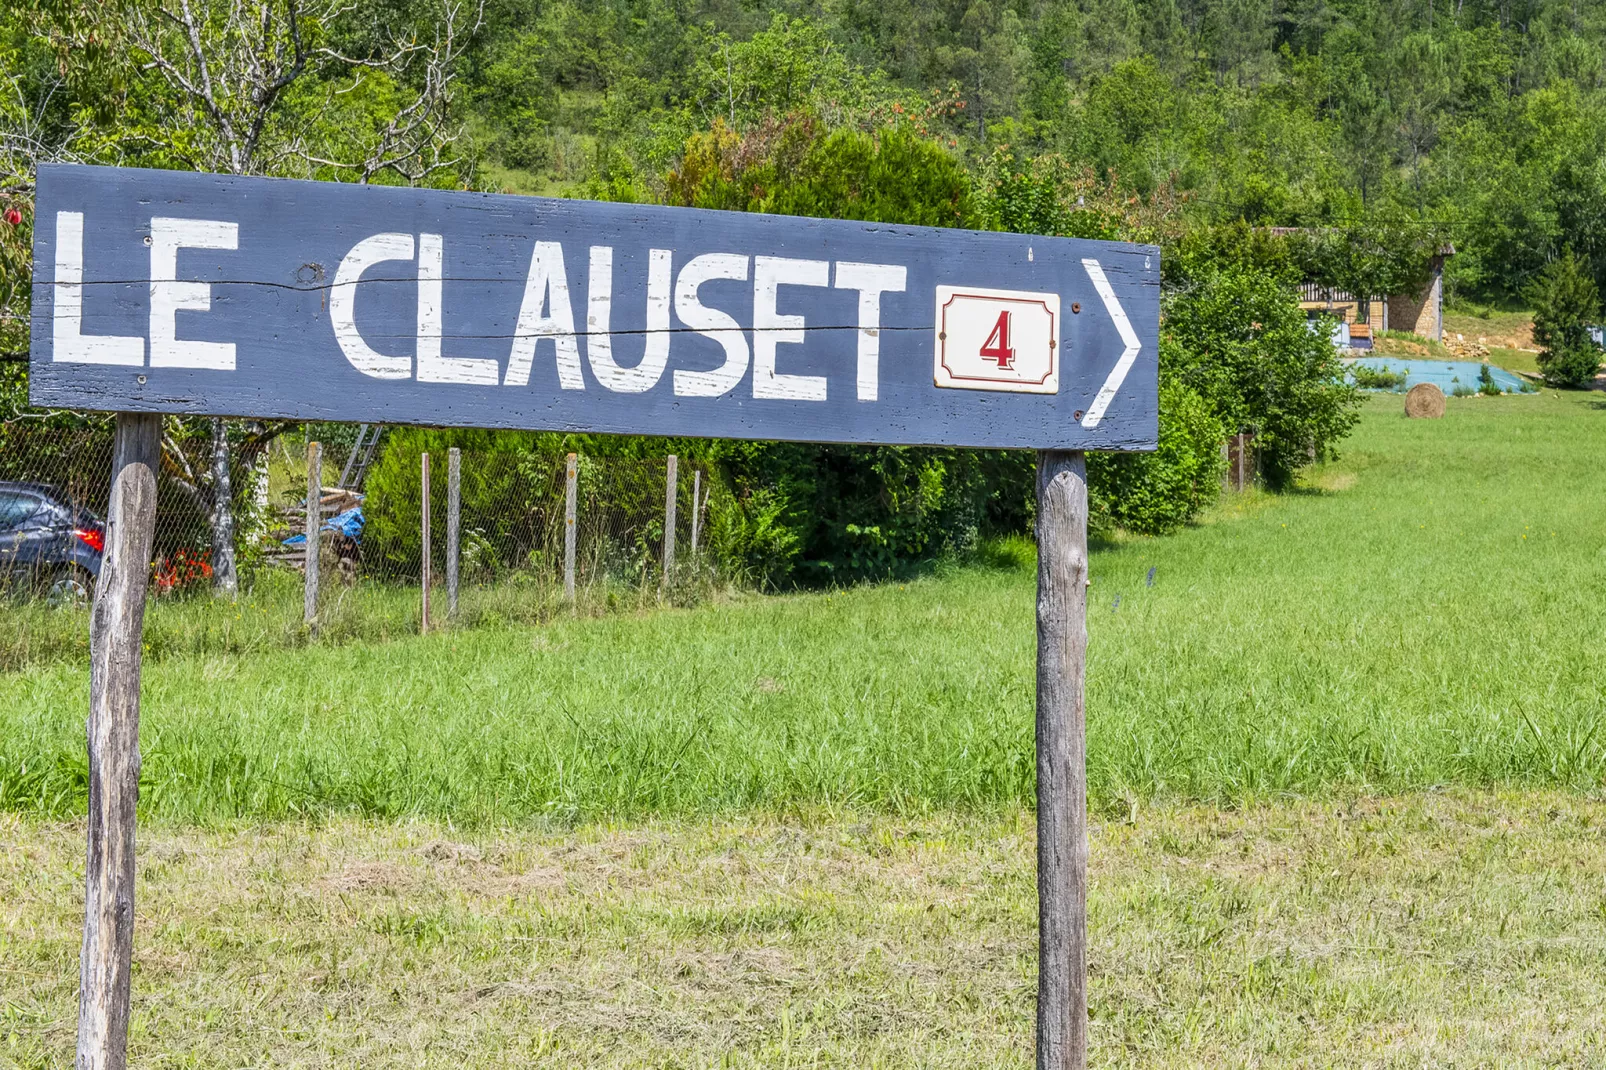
1157, 493
792, 166
1377, 258
1566, 303
854, 513
1238, 338
1369, 378
1486, 384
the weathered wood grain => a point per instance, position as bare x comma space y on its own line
309, 594
1061, 761
467, 316
115, 631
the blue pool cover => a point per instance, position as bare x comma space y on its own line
1445, 374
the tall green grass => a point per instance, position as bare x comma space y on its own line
1427, 611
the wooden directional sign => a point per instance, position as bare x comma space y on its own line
171, 292
174, 292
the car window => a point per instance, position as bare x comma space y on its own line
15, 508
46, 514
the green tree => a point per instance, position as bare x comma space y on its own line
1566, 304
1238, 338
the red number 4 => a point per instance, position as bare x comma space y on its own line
997, 345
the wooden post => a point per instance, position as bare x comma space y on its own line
570, 500
1061, 761
696, 510
454, 488
669, 520
423, 461
115, 631
309, 606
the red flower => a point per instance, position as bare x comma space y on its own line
13, 216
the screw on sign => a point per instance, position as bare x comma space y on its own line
689, 323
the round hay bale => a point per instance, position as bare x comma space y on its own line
1424, 401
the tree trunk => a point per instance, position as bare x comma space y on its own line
225, 579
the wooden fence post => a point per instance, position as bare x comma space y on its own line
309, 604
696, 510
669, 520
570, 500
454, 489
1061, 761
116, 627
423, 461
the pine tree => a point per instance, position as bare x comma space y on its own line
1566, 303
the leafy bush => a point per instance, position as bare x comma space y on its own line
1369, 378
1155, 493
1237, 336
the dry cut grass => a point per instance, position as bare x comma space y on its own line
1430, 930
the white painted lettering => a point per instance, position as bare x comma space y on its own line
432, 367
343, 304
711, 323
599, 343
547, 282
169, 296
68, 343
770, 328
871, 280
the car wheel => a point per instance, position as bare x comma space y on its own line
70, 587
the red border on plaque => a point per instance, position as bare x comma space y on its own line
1053, 347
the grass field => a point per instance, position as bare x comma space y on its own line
1459, 930
1345, 758
1427, 612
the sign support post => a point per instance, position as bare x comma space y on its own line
1061, 760
115, 631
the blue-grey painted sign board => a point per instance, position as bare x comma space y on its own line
174, 292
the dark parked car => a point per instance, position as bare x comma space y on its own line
48, 543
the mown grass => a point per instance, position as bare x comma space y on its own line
1426, 612
1445, 930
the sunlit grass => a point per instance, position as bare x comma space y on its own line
1456, 929
1425, 612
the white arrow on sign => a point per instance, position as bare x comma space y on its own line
1095, 411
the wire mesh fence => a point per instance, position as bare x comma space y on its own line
509, 536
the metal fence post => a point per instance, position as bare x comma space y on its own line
454, 479
309, 608
570, 496
423, 623
696, 511
669, 520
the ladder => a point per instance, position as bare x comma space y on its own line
362, 455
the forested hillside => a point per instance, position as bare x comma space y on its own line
1379, 131
1480, 119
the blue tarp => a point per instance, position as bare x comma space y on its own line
1447, 375
348, 524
